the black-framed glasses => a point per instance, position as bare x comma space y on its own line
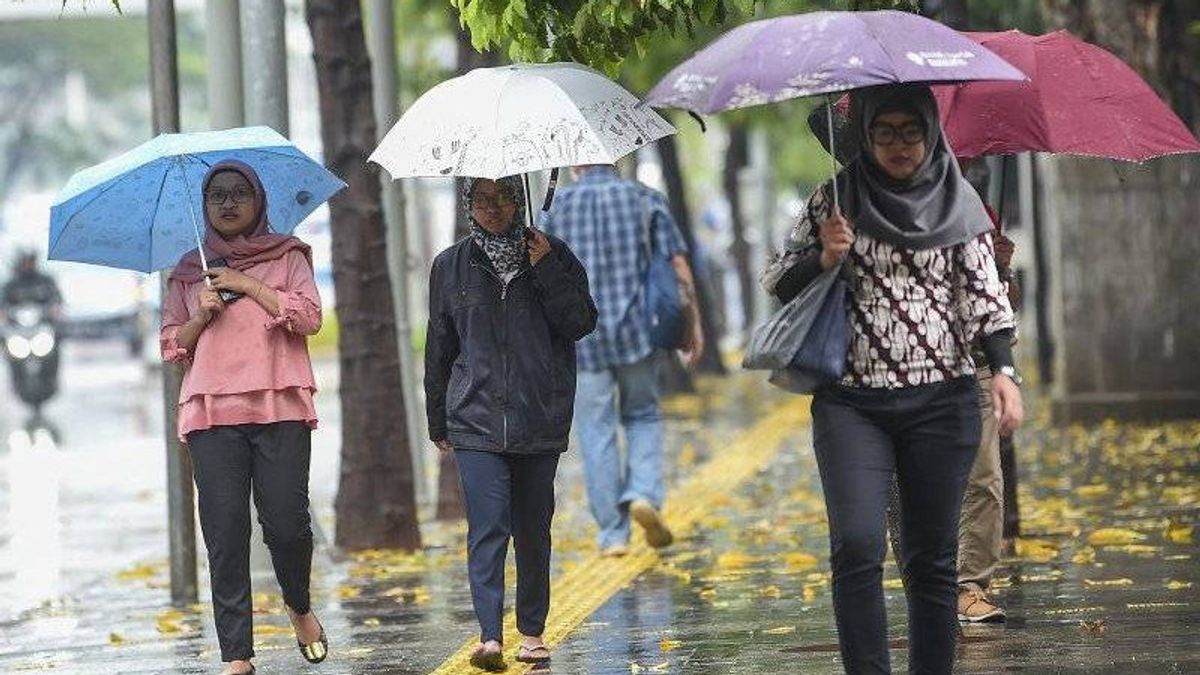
497, 202
217, 196
886, 134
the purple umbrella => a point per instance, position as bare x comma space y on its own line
821, 53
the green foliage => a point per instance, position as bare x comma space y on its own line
1025, 15
598, 33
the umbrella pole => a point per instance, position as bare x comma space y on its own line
187, 186
1000, 200
832, 154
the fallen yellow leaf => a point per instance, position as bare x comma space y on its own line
810, 593
347, 592
1107, 536
266, 629
781, 630
1037, 550
372, 622
669, 645
141, 572
168, 621
1135, 549
893, 584
1179, 534
1176, 585
1108, 582
799, 561
1085, 556
115, 639
734, 560
1092, 490
770, 592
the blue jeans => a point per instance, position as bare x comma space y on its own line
612, 480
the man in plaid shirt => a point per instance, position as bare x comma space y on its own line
604, 219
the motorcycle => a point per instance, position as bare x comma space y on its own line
31, 342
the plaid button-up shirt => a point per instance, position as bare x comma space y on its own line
603, 218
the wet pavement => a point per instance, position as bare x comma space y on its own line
1105, 579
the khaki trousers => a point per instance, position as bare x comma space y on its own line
981, 524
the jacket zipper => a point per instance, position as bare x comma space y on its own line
504, 353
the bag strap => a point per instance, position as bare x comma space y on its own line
647, 227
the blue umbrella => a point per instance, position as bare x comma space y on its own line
143, 210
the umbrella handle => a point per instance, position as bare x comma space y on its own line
550, 189
528, 210
832, 155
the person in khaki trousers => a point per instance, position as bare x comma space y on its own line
981, 522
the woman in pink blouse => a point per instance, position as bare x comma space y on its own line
915, 243
246, 407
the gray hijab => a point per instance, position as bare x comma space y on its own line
507, 251
935, 208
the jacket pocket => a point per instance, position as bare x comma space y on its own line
472, 295
460, 384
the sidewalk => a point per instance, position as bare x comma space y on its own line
385, 612
1105, 581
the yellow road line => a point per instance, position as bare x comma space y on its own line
580, 592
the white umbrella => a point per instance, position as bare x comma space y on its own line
495, 122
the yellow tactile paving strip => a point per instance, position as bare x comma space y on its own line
580, 592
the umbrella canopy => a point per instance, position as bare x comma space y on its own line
144, 209
495, 122
1079, 100
823, 52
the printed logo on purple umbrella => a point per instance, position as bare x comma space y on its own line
941, 59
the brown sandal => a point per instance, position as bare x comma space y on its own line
490, 660
538, 654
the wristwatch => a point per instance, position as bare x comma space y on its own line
1012, 374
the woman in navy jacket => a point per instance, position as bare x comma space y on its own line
506, 306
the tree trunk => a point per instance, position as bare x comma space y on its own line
737, 156
954, 14
375, 506
668, 153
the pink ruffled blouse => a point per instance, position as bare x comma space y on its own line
248, 367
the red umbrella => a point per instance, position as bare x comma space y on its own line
1079, 100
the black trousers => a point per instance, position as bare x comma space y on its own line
927, 436
270, 462
507, 496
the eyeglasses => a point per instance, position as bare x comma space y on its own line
217, 196
498, 202
886, 134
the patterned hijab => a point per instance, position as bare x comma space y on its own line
936, 207
506, 251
